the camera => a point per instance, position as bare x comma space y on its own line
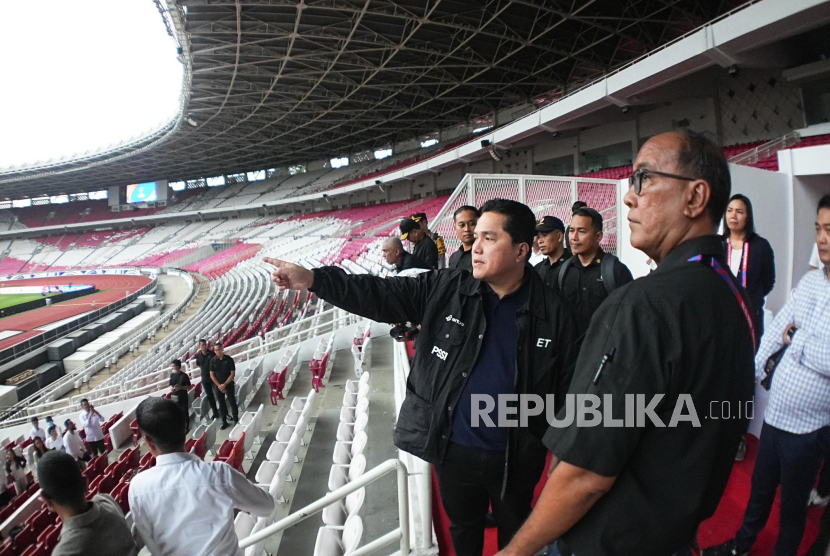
404, 332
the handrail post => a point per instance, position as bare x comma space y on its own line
403, 508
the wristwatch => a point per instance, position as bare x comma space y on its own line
791, 332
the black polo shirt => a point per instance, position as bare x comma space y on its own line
203, 360
550, 272
427, 251
408, 260
678, 331
462, 260
583, 287
495, 370
222, 368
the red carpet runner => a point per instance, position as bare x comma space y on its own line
719, 528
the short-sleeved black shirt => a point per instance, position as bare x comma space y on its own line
550, 272
678, 331
427, 251
584, 288
222, 368
462, 260
203, 360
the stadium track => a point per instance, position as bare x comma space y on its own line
116, 286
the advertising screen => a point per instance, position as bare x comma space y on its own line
142, 192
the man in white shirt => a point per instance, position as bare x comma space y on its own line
91, 421
203, 495
54, 441
49, 423
796, 429
36, 430
72, 442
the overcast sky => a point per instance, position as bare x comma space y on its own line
79, 76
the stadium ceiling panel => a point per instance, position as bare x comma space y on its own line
276, 82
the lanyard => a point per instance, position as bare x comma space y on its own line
744, 260
725, 274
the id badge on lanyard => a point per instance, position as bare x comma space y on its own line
744, 260
725, 274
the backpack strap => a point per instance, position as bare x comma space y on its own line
564, 270
607, 272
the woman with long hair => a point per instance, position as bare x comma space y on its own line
750, 257
38, 449
16, 467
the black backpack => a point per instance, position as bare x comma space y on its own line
606, 269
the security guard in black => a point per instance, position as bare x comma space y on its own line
584, 287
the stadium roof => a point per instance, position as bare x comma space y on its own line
276, 82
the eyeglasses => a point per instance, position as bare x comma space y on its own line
636, 179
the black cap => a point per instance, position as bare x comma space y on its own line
550, 224
418, 216
407, 226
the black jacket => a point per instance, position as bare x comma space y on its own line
760, 272
427, 251
408, 260
448, 305
462, 260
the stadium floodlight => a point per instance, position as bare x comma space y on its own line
428, 143
191, 121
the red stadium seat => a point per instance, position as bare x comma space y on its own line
121, 495
225, 449
24, 539
40, 521
146, 459
136, 431
200, 447
36, 550
49, 537
6, 512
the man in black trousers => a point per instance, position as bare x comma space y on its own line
203, 357
222, 373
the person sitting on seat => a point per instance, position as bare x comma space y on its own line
89, 527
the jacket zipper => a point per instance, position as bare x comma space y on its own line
515, 381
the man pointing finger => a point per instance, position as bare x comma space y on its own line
497, 331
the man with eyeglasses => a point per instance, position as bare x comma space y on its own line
681, 334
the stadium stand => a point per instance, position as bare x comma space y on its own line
274, 337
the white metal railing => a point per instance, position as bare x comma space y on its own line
92, 366
129, 388
752, 156
400, 534
420, 470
